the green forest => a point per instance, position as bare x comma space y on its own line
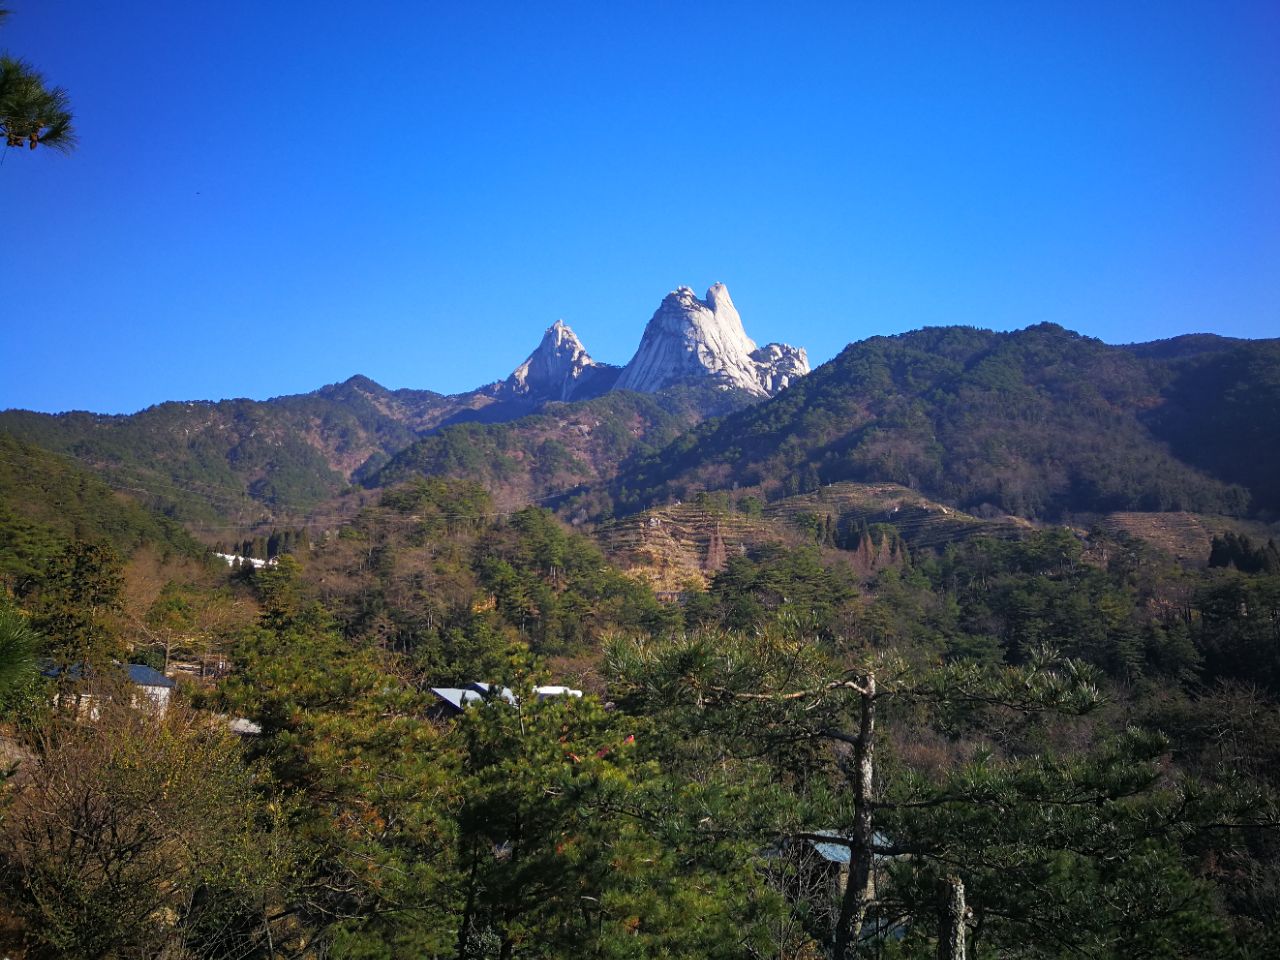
963, 644
1040, 423
967, 645
1058, 745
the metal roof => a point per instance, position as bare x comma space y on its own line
840, 852
484, 688
555, 691
459, 697
833, 852
455, 697
145, 676
138, 673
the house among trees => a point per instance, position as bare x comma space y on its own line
814, 868
236, 560
148, 689
451, 701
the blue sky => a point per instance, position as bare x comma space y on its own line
268, 197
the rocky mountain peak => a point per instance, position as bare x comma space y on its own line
692, 338
559, 340
559, 369
718, 300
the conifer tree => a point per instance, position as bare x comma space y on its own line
1040, 842
81, 592
32, 113
18, 647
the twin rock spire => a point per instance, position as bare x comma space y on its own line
687, 339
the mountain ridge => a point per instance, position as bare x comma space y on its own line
254, 461
1038, 423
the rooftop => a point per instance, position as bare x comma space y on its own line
138, 673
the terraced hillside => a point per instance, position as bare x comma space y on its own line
1186, 537
845, 509
683, 544
680, 546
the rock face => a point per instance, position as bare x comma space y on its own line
688, 338
560, 369
780, 365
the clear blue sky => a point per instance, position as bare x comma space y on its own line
272, 196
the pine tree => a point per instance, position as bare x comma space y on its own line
1078, 849
32, 113
81, 592
19, 644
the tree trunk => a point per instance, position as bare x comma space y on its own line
859, 891
464, 926
951, 936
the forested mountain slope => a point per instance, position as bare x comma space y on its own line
567, 453
246, 461
1121, 798
250, 462
47, 501
1040, 423
238, 459
1222, 414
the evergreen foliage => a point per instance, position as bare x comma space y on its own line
1115, 802
1039, 423
80, 594
1237, 550
46, 502
1073, 729
1221, 416
558, 452
32, 113
19, 644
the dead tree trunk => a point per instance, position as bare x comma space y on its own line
951, 937
860, 890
